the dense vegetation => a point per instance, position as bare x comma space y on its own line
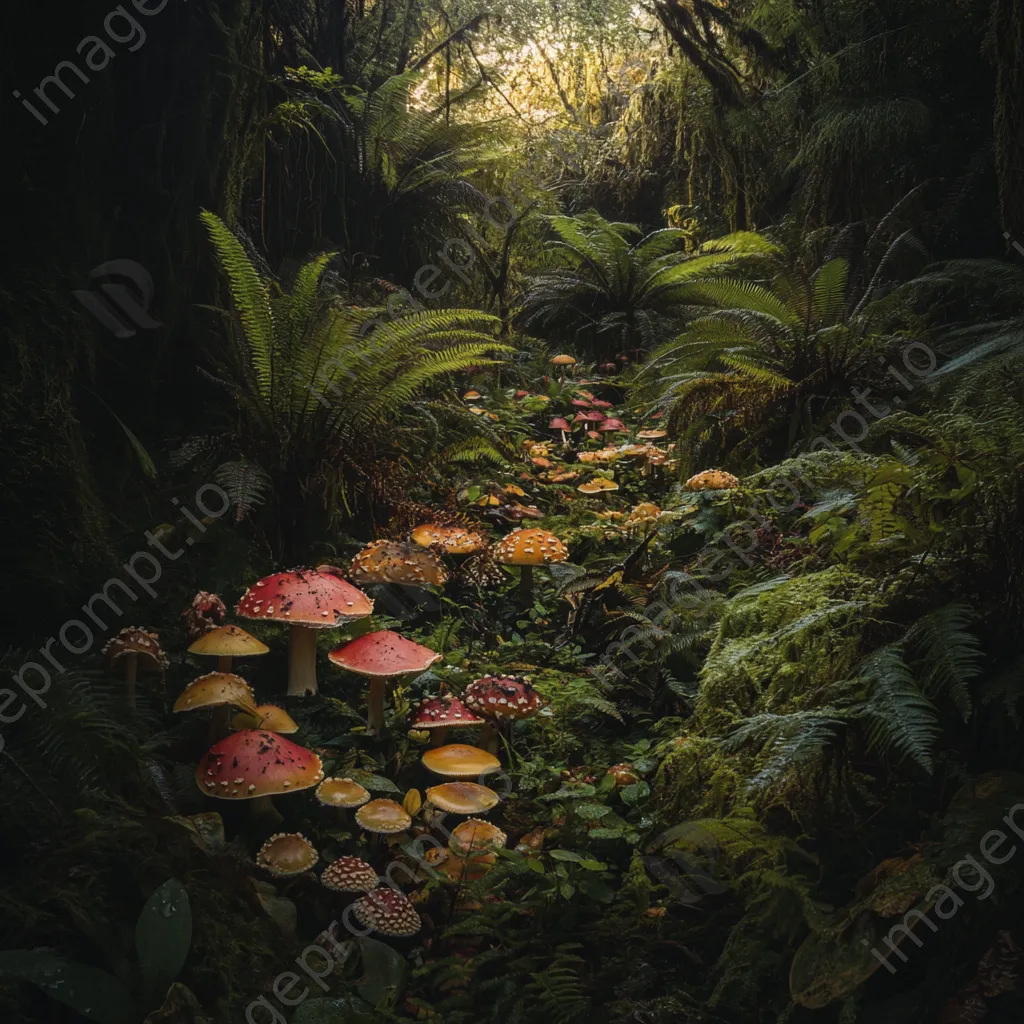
772, 638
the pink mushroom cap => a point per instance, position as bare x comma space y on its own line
304, 597
383, 653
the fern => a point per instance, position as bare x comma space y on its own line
245, 484
949, 655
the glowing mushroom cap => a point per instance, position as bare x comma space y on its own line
463, 797
530, 547
304, 597
712, 480
459, 761
287, 853
384, 817
138, 641
342, 793
268, 717
558, 423
503, 698
228, 642
255, 763
475, 837
454, 540
388, 912
389, 561
444, 712
384, 654
349, 874
563, 360
216, 690
611, 424
598, 485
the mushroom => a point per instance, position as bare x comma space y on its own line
561, 425
453, 540
255, 765
463, 797
471, 396
287, 853
502, 699
383, 817
645, 512
461, 869
459, 761
343, 793
712, 480
133, 650
307, 600
563, 362
389, 561
474, 837
225, 643
598, 485
206, 612
388, 912
527, 548
349, 874
652, 435
611, 425
268, 717
220, 691
382, 656
439, 715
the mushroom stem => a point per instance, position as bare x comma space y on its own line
263, 807
375, 705
302, 661
220, 724
438, 737
489, 738
131, 669
526, 583
224, 663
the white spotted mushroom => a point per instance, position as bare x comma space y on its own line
528, 548
502, 699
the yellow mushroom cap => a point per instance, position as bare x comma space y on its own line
342, 793
384, 817
463, 869
287, 853
455, 540
530, 547
463, 797
563, 360
387, 561
475, 837
712, 480
652, 435
215, 690
228, 642
460, 761
266, 716
644, 512
598, 485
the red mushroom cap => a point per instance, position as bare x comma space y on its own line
503, 697
581, 403
444, 712
304, 597
593, 435
255, 763
589, 417
557, 423
383, 654
612, 424
600, 403
387, 912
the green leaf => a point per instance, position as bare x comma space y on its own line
571, 793
589, 864
635, 793
384, 973
343, 1010
368, 780
569, 855
606, 833
596, 890
163, 935
535, 865
591, 812
567, 889
89, 991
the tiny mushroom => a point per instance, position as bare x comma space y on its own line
207, 611
453, 540
502, 699
463, 797
383, 817
307, 600
712, 480
287, 853
389, 561
440, 714
388, 912
255, 765
225, 643
528, 548
563, 362
561, 425
382, 656
474, 837
131, 651
266, 716
472, 396
459, 761
599, 485
349, 874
